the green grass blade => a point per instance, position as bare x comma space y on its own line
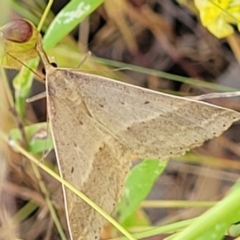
67, 19
216, 221
138, 186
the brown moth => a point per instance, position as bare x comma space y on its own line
98, 123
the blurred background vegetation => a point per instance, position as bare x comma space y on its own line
157, 44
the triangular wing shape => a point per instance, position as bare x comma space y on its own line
97, 123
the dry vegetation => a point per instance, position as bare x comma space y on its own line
153, 34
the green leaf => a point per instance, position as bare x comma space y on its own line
67, 19
22, 85
138, 218
138, 186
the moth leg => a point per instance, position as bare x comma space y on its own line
36, 97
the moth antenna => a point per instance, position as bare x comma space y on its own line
25, 65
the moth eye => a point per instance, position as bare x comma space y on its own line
44, 71
54, 64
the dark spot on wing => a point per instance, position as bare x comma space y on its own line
101, 105
72, 170
96, 236
123, 103
147, 102
101, 147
